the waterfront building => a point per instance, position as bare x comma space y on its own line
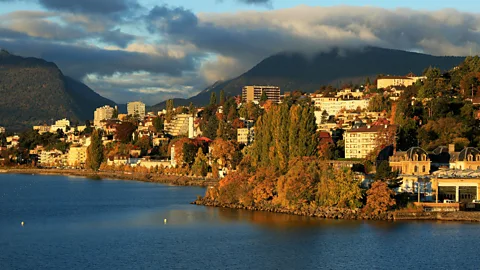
136, 109
456, 185
414, 161
52, 158
77, 156
253, 93
103, 113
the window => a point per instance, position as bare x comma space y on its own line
423, 168
415, 169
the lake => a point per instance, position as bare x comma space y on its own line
78, 223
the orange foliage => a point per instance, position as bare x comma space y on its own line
379, 198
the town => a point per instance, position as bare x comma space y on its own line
420, 130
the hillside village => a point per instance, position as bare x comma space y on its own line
423, 130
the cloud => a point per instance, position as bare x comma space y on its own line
182, 51
104, 7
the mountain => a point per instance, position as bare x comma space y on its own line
34, 91
296, 71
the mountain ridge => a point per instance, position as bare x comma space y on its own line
36, 91
296, 71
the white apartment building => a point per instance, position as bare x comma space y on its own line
361, 141
62, 124
181, 124
136, 108
402, 81
102, 113
52, 158
245, 135
333, 105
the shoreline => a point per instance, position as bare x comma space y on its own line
141, 177
349, 214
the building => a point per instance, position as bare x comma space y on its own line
245, 135
181, 124
401, 81
103, 113
334, 105
467, 159
459, 186
52, 158
362, 141
253, 93
77, 156
414, 161
136, 108
42, 129
63, 125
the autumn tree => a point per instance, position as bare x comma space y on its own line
213, 98
124, 132
379, 199
95, 151
200, 166
222, 151
222, 97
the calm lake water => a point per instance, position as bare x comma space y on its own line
77, 223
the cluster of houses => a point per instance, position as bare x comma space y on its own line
443, 174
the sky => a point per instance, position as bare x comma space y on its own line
153, 50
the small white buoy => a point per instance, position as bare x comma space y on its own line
165, 221
23, 223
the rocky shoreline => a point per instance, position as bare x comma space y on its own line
318, 212
143, 177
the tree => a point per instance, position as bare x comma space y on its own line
384, 173
192, 110
222, 97
115, 113
379, 199
158, 124
189, 150
263, 97
124, 132
213, 99
222, 151
169, 109
200, 166
95, 151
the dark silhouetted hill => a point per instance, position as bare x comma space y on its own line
34, 91
296, 71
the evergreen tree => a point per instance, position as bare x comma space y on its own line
192, 110
213, 99
115, 113
95, 151
200, 166
263, 97
169, 109
222, 97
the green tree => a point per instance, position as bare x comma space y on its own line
189, 150
192, 110
384, 173
263, 97
115, 113
222, 97
158, 124
200, 166
169, 109
213, 99
95, 151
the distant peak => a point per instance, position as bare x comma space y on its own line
4, 52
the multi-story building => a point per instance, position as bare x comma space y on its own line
62, 124
414, 161
77, 156
333, 105
52, 158
181, 124
361, 141
402, 81
42, 129
136, 108
253, 93
245, 135
103, 113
